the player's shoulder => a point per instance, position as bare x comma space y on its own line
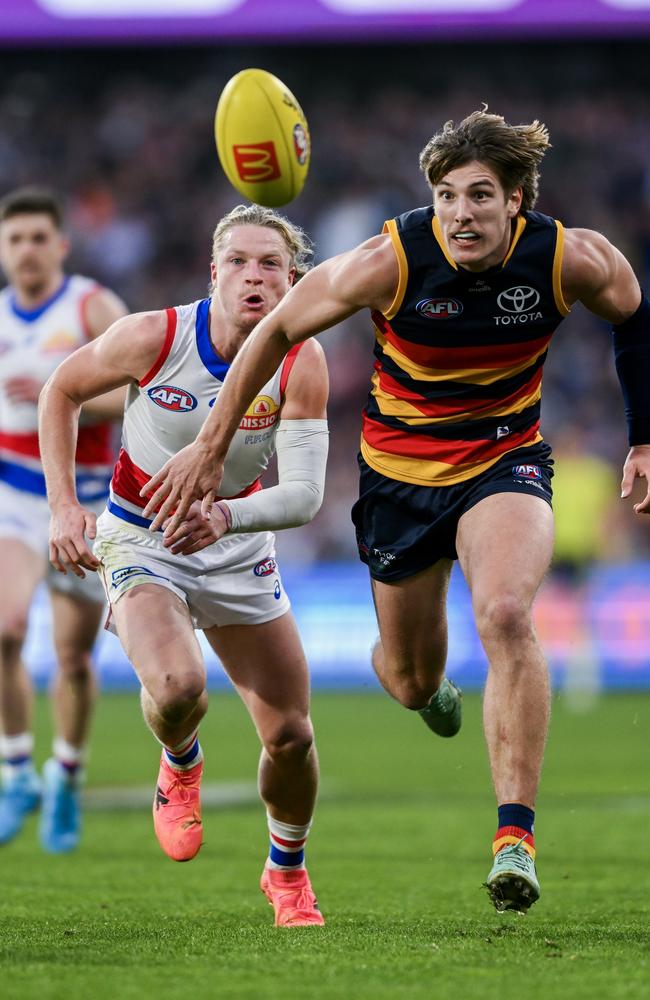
147, 328
587, 257
309, 352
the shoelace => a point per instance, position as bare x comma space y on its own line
184, 788
517, 856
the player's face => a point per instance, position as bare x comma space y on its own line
252, 273
32, 251
475, 215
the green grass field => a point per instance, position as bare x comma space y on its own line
398, 853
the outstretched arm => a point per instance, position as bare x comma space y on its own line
598, 275
364, 277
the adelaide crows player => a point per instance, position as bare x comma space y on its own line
465, 296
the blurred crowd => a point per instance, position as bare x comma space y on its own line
126, 136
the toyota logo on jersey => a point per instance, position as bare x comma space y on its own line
521, 298
170, 397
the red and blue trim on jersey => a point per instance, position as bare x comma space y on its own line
20, 462
125, 501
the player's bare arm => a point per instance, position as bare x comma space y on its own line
125, 353
305, 399
597, 274
365, 277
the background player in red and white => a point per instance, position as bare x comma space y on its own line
174, 363
44, 317
466, 294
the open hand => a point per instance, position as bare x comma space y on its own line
191, 474
637, 466
197, 531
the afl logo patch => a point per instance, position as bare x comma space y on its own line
527, 471
265, 568
170, 397
439, 308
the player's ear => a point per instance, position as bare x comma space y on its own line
213, 271
292, 275
514, 201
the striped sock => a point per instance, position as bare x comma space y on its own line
69, 756
16, 755
186, 754
516, 826
287, 849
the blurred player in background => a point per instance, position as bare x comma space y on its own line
44, 317
465, 295
174, 363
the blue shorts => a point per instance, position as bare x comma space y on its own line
403, 529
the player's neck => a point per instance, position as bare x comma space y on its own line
226, 335
29, 297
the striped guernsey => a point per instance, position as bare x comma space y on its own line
459, 354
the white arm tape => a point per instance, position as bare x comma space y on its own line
301, 447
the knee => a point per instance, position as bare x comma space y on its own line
13, 630
504, 617
291, 741
176, 695
75, 665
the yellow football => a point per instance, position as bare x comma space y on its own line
262, 138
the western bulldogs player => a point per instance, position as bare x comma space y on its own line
218, 574
45, 315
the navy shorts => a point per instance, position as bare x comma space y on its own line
403, 529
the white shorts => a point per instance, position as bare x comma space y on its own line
236, 581
26, 517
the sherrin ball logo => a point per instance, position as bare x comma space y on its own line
262, 138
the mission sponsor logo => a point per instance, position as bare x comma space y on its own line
439, 308
266, 567
170, 397
520, 304
62, 340
256, 162
262, 413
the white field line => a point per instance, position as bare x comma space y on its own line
215, 795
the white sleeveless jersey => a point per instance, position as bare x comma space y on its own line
166, 411
32, 344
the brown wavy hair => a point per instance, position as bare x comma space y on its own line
513, 152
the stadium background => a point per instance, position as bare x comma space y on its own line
125, 132
116, 112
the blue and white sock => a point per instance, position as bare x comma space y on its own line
70, 758
16, 753
287, 851
186, 754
